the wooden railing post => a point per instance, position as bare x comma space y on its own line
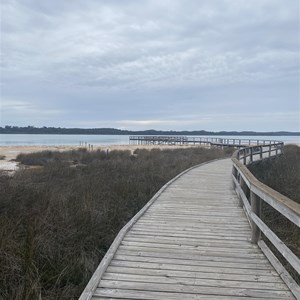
243, 187
234, 172
255, 208
251, 155
245, 156
260, 153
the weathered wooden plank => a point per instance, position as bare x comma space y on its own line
191, 274
200, 223
194, 210
188, 234
229, 251
200, 219
195, 281
190, 241
197, 211
243, 232
190, 256
186, 231
109, 293
192, 226
205, 269
261, 265
192, 289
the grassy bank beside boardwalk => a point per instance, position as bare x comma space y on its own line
58, 219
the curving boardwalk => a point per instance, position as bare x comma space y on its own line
193, 242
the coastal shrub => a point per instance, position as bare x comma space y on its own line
57, 221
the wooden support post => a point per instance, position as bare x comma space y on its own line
245, 157
234, 171
256, 208
243, 187
251, 155
261, 152
270, 150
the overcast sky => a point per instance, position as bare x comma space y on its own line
151, 64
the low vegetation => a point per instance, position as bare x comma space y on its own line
58, 220
283, 175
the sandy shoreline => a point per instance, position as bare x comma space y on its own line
11, 152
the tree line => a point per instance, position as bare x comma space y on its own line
113, 131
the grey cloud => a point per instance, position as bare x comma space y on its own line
150, 60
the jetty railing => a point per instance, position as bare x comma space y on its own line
193, 140
251, 194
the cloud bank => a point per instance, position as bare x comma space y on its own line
182, 65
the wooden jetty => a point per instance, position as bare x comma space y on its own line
193, 240
195, 140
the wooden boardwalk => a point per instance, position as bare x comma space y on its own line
193, 242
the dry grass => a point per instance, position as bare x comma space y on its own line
57, 221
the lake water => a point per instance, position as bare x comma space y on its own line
61, 139
73, 140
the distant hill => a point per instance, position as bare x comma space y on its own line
114, 131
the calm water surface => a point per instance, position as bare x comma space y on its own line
61, 139
73, 140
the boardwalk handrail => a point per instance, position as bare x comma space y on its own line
251, 192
